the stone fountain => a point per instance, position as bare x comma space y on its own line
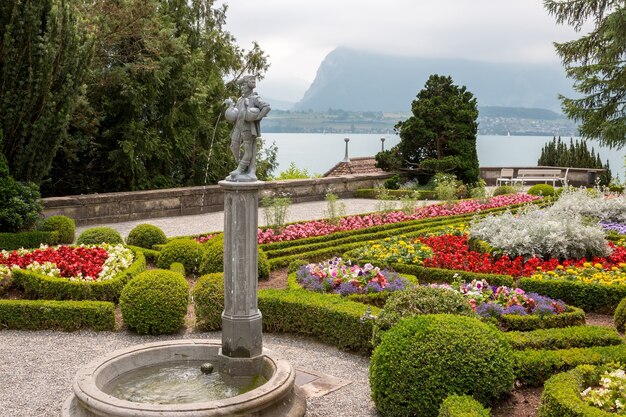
240, 354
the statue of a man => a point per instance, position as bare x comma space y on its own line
245, 115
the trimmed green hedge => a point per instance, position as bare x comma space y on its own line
151, 255
619, 318
572, 316
462, 406
566, 338
146, 236
178, 268
437, 275
561, 394
62, 224
61, 315
534, 367
375, 299
328, 317
596, 298
33, 239
39, 286
208, 300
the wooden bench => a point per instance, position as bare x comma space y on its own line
540, 175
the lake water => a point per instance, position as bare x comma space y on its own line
317, 152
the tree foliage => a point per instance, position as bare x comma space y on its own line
557, 153
596, 63
151, 113
45, 47
443, 125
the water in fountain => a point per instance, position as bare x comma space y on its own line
178, 383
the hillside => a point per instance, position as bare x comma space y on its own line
364, 81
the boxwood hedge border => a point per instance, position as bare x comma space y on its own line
39, 286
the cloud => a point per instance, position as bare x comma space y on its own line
298, 35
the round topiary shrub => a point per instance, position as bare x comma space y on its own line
146, 236
544, 190
97, 235
208, 300
619, 317
419, 299
62, 224
185, 251
504, 189
213, 258
155, 302
438, 355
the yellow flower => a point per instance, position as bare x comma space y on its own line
598, 266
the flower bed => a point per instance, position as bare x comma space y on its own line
513, 308
341, 277
76, 263
588, 273
452, 252
324, 227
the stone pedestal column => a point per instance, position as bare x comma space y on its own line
241, 319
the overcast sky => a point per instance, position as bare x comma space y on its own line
298, 34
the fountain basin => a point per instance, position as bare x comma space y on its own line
279, 396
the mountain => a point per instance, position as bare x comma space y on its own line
364, 81
277, 104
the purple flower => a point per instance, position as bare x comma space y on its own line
347, 288
515, 309
490, 309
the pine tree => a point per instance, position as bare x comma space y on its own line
45, 49
443, 125
596, 63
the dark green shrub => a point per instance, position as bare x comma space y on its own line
423, 359
534, 367
295, 265
462, 406
178, 267
619, 318
564, 338
213, 258
504, 189
6, 282
419, 300
596, 298
19, 205
155, 302
208, 299
39, 286
572, 316
328, 317
56, 315
150, 254
616, 188
561, 394
98, 235
146, 236
186, 251
545, 190
392, 183
62, 224
32, 239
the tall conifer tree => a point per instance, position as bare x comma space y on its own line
44, 54
596, 62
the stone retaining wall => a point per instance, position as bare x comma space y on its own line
118, 207
576, 177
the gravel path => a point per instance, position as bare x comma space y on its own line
213, 222
37, 368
